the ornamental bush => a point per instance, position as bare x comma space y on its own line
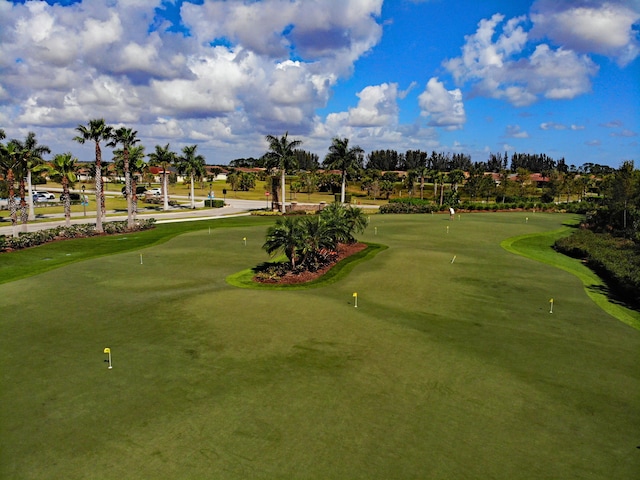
33, 239
616, 260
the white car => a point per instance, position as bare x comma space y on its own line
154, 191
41, 196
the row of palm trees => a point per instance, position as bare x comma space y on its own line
310, 241
131, 157
281, 157
19, 159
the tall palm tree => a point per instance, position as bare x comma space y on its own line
33, 154
422, 171
163, 157
281, 157
127, 138
345, 159
96, 131
193, 165
63, 169
10, 158
137, 166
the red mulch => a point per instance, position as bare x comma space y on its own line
344, 251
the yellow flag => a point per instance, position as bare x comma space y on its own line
107, 350
355, 294
551, 300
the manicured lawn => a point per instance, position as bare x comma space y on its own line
447, 370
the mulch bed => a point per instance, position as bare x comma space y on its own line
344, 251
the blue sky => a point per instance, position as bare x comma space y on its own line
547, 76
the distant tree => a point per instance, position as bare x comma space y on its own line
10, 161
165, 158
344, 158
307, 161
63, 169
280, 156
126, 137
191, 164
96, 131
33, 157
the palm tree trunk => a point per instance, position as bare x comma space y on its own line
193, 202
99, 197
134, 199
165, 192
67, 201
282, 180
32, 213
127, 189
344, 187
24, 212
13, 211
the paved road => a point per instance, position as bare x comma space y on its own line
232, 208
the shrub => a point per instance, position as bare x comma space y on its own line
33, 239
214, 203
615, 260
407, 207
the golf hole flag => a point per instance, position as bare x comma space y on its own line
108, 351
355, 296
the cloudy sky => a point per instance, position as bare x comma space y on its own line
559, 77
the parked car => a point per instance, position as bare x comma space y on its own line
41, 196
154, 191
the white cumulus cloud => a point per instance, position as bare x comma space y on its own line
495, 62
444, 108
604, 27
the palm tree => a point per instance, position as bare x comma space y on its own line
285, 236
9, 163
33, 157
281, 157
137, 166
127, 138
422, 172
318, 239
63, 169
163, 157
193, 165
96, 131
345, 159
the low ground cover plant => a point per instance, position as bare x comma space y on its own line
32, 239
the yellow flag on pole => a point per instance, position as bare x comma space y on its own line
107, 350
355, 294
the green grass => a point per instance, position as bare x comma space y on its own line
445, 370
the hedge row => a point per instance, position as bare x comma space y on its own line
413, 205
615, 260
32, 239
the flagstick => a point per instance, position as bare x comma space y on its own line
245, 241
355, 295
551, 306
140, 259
453, 259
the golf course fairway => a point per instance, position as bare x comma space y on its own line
450, 367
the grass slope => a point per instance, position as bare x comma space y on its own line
445, 370
537, 246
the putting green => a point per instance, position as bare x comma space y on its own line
448, 369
